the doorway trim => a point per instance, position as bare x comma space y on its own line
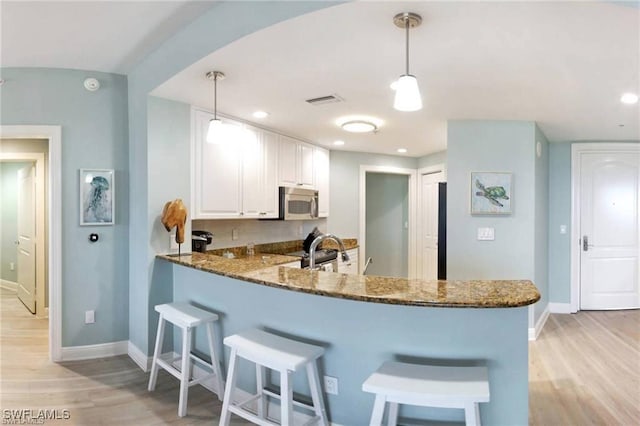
422, 172
54, 135
577, 149
411, 174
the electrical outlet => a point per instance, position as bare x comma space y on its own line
89, 317
331, 385
12, 266
174, 245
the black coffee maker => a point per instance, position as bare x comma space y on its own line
200, 240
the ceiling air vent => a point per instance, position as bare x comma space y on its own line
330, 99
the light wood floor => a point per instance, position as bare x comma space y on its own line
584, 369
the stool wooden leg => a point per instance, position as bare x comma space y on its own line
472, 414
392, 416
215, 364
184, 370
378, 410
156, 354
286, 399
225, 416
316, 393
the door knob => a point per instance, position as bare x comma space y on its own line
585, 243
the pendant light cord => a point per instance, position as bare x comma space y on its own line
406, 27
215, 97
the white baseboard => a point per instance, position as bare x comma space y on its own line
143, 361
561, 308
9, 285
103, 350
534, 332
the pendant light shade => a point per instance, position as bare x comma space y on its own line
407, 94
408, 97
216, 127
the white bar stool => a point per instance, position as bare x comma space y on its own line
280, 354
185, 317
427, 386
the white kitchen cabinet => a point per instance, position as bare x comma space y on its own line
350, 266
295, 163
259, 174
321, 176
216, 189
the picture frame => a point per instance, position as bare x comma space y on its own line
491, 193
97, 197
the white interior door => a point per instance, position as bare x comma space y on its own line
27, 237
429, 225
609, 230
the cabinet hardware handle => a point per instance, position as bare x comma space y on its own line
241, 213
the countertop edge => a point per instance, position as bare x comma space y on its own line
390, 300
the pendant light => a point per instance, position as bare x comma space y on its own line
214, 134
408, 96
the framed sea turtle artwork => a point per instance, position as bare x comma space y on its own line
491, 193
97, 197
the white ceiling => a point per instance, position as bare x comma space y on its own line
561, 64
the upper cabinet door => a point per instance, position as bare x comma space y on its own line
259, 182
321, 176
295, 163
216, 168
305, 162
288, 161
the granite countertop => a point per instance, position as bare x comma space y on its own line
266, 270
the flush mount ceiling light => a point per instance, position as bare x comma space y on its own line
408, 96
338, 143
359, 126
214, 134
359, 123
629, 98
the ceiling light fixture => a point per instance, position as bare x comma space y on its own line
215, 124
359, 126
402, 150
408, 96
629, 98
338, 143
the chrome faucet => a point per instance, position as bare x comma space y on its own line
317, 241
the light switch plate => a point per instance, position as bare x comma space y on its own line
486, 234
563, 229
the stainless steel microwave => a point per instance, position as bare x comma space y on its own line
298, 203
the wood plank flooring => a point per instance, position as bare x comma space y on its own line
109, 391
584, 370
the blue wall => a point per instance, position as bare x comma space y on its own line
94, 135
384, 332
541, 224
559, 214
387, 239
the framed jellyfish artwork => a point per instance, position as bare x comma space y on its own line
97, 197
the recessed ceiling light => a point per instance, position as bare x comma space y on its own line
338, 143
260, 114
629, 98
402, 150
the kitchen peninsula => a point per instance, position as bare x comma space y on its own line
363, 321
